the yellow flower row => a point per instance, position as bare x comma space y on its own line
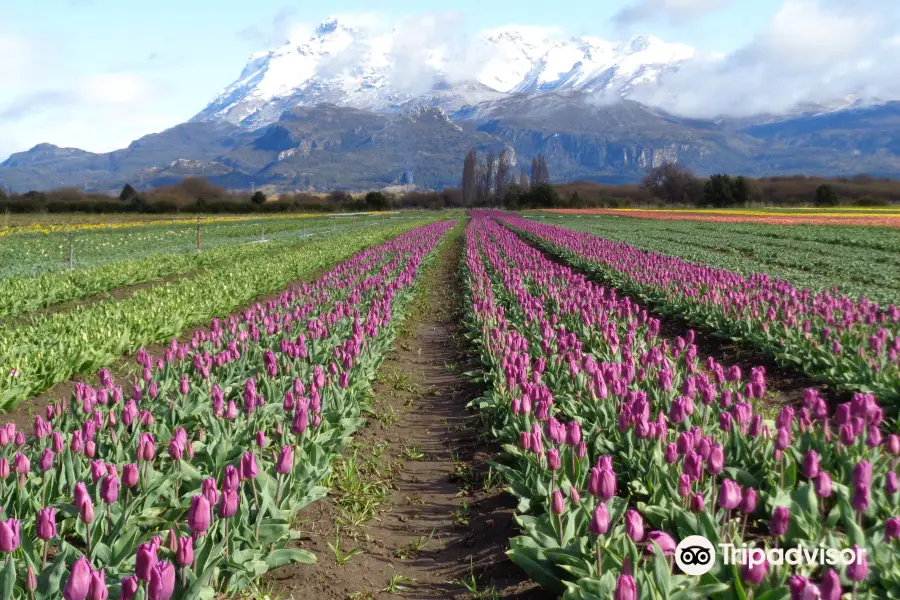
47, 228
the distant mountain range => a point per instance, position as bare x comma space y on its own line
353, 110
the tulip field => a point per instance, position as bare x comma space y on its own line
620, 443
183, 482
47, 349
201, 416
849, 342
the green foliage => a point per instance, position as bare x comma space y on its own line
258, 198
870, 201
826, 195
376, 201
128, 193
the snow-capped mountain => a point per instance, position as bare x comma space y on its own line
385, 71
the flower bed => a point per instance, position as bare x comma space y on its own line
620, 444
186, 480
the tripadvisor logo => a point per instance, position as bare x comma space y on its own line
696, 555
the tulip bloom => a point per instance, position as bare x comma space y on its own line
755, 574
229, 504
626, 589
98, 590
634, 525
109, 489
162, 581
661, 539
130, 475
858, 570
185, 552
599, 524
781, 517
248, 466
230, 480
822, 485
199, 514
46, 523
79, 584
557, 502
830, 587
9, 535
811, 464
146, 561
285, 460
730, 495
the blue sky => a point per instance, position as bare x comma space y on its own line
98, 73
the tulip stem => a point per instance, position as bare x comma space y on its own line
226, 538
108, 521
44, 559
278, 490
87, 528
599, 559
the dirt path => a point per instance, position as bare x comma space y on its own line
414, 493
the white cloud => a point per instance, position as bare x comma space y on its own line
668, 10
811, 51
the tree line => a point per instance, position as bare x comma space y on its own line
487, 180
493, 182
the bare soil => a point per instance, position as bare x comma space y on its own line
439, 516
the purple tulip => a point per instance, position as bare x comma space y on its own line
31, 583
729, 495
599, 524
557, 502
748, 505
862, 473
893, 444
811, 464
248, 466
79, 584
146, 561
162, 581
661, 539
634, 525
185, 552
781, 517
698, 504
98, 589
830, 586
229, 504
46, 523
199, 514
231, 479
129, 587
9, 535
607, 484
626, 589
716, 462
755, 574
109, 489
210, 491
822, 485
860, 500
892, 529
858, 570
285, 460
553, 460
46, 462
130, 475
684, 485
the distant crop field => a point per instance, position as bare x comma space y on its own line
773, 216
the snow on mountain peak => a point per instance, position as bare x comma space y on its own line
383, 70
